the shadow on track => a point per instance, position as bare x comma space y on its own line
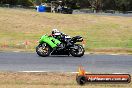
60, 56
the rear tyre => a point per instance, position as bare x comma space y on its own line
78, 51
43, 50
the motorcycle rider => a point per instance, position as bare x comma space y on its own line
61, 36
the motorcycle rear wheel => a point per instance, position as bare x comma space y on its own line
77, 52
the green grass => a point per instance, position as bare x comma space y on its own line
100, 32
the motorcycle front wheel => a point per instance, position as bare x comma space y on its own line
43, 50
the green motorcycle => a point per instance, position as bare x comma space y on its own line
49, 45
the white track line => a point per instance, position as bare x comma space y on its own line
114, 54
64, 72
33, 71
45, 71
16, 51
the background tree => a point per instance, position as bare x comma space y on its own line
96, 4
109, 5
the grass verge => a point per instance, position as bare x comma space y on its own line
48, 80
103, 33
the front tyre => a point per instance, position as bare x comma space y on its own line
77, 51
43, 50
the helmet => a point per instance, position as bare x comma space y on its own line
55, 31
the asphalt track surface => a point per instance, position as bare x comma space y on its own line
92, 63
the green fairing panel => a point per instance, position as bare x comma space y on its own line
49, 40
